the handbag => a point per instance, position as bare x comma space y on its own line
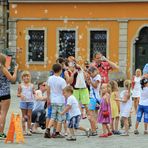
106, 113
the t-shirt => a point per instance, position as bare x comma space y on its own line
94, 92
144, 97
56, 84
38, 104
104, 68
75, 110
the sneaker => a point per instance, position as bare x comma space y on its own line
87, 132
3, 136
136, 132
71, 139
110, 134
66, 134
145, 132
124, 134
47, 134
103, 135
116, 132
93, 133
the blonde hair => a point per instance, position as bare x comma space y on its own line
114, 85
69, 89
127, 84
138, 70
109, 90
2, 60
24, 73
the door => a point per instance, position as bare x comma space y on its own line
141, 49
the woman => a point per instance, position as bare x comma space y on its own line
136, 86
5, 78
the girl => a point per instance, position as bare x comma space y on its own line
114, 107
104, 116
94, 81
26, 94
136, 86
126, 105
143, 106
5, 78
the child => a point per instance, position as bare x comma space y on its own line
5, 97
74, 113
104, 116
136, 86
94, 81
115, 107
26, 94
143, 106
56, 85
126, 105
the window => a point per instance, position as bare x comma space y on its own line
98, 42
36, 46
67, 43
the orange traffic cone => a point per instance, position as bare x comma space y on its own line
10, 134
18, 129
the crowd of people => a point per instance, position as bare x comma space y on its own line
73, 92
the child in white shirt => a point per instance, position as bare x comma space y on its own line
74, 112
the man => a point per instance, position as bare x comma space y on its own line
104, 65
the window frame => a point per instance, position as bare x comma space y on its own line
45, 46
66, 29
89, 41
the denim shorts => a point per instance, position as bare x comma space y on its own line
49, 112
74, 122
55, 113
26, 105
92, 104
142, 110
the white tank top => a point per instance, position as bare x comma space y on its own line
27, 91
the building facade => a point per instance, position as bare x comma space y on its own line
3, 24
42, 30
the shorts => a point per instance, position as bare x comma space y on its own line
49, 112
82, 95
142, 110
26, 105
55, 113
67, 117
74, 122
7, 97
92, 104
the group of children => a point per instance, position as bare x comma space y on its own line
71, 89
105, 105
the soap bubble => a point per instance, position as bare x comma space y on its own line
45, 11
14, 6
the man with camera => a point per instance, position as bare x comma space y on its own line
104, 65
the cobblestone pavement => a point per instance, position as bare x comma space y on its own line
37, 140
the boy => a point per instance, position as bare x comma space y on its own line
74, 113
55, 92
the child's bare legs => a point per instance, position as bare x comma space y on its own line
126, 125
112, 125
116, 123
24, 114
65, 128
108, 128
47, 122
58, 127
71, 131
104, 128
29, 115
136, 102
